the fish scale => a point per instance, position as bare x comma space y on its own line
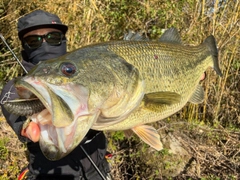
168, 67
165, 66
182, 83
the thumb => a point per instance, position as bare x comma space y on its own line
32, 131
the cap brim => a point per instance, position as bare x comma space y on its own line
60, 27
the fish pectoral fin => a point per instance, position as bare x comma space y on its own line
167, 97
198, 96
149, 135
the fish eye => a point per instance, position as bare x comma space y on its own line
68, 69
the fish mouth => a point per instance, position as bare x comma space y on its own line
69, 120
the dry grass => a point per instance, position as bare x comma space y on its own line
12, 153
209, 131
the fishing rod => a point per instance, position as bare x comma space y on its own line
84, 151
14, 55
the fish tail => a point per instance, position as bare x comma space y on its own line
211, 43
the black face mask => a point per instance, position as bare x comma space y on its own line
44, 52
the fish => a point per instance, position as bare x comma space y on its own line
177, 72
117, 85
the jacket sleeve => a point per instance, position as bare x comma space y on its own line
16, 122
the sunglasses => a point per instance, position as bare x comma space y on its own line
52, 38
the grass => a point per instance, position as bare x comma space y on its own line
12, 153
208, 132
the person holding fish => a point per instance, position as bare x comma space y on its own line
119, 85
42, 35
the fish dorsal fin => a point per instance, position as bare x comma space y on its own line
198, 95
133, 36
149, 135
164, 97
171, 36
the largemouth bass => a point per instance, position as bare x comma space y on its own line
116, 85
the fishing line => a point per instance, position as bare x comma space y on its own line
90, 159
2, 101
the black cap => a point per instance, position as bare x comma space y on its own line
39, 19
